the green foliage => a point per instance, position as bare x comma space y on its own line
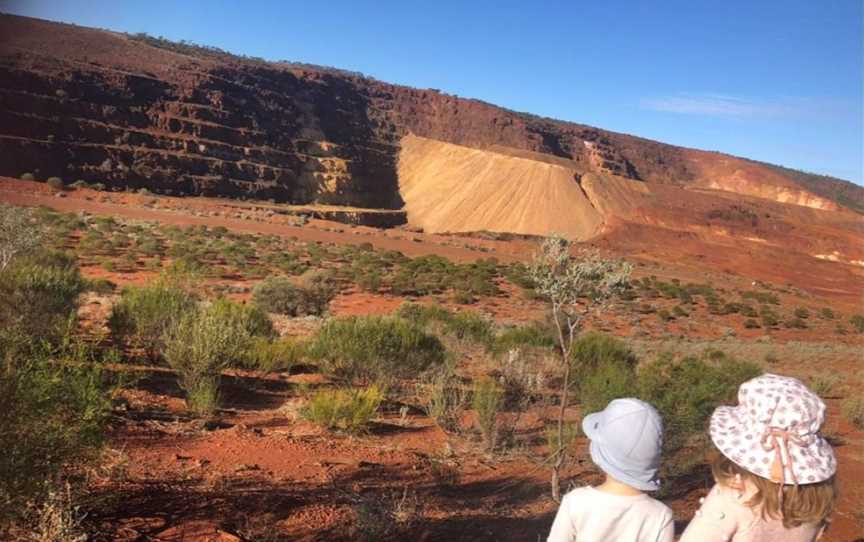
853, 411
570, 432
750, 323
347, 409
274, 356
282, 296
795, 323
610, 380
521, 337
53, 416
465, 325
593, 349
825, 384
143, 314
765, 298
685, 393
769, 317
827, 314
38, 298
375, 348
27, 177
604, 369
801, 312
857, 322
443, 398
206, 340
487, 401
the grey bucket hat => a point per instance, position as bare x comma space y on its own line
626, 442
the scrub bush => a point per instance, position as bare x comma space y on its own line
374, 348
282, 296
143, 314
685, 393
206, 340
346, 409
487, 401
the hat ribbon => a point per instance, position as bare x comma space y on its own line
778, 439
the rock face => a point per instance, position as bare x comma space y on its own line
137, 112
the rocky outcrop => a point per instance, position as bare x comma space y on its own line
132, 112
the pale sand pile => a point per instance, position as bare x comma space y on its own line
451, 188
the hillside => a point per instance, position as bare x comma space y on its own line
135, 111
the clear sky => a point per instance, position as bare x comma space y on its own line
778, 81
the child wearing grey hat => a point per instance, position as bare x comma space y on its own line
626, 441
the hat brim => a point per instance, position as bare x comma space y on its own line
591, 426
735, 436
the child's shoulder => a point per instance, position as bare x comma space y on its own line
590, 496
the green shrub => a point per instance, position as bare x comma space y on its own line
685, 393
748, 311
375, 348
487, 400
98, 186
54, 416
347, 409
857, 322
769, 317
56, 183
469, 325
99, 286
853, 411
751, 324
825, 384
520, 337
795, 323
282, 296
206, 340
827, 314
461, 325
27, 177
665, 315
143, 314
679, 312
38, 299
592, 350
802, 313
601, 384
423, 314
274, 356
571, 431
443, 398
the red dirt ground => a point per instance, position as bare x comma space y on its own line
262, 470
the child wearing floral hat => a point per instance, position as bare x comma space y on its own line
626, 441
775, 472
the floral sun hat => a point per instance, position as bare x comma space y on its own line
774, 431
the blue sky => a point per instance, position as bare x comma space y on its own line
778, 81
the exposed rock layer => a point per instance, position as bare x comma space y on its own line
105, 107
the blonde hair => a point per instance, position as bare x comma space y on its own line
801, 504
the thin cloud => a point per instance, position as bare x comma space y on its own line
719, 105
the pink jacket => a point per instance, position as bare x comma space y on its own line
724, 517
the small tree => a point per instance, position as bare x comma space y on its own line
18, 234
574, 288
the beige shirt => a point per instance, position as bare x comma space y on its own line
723, 517
589, 515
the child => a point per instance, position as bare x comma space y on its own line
626, 438
775, 477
